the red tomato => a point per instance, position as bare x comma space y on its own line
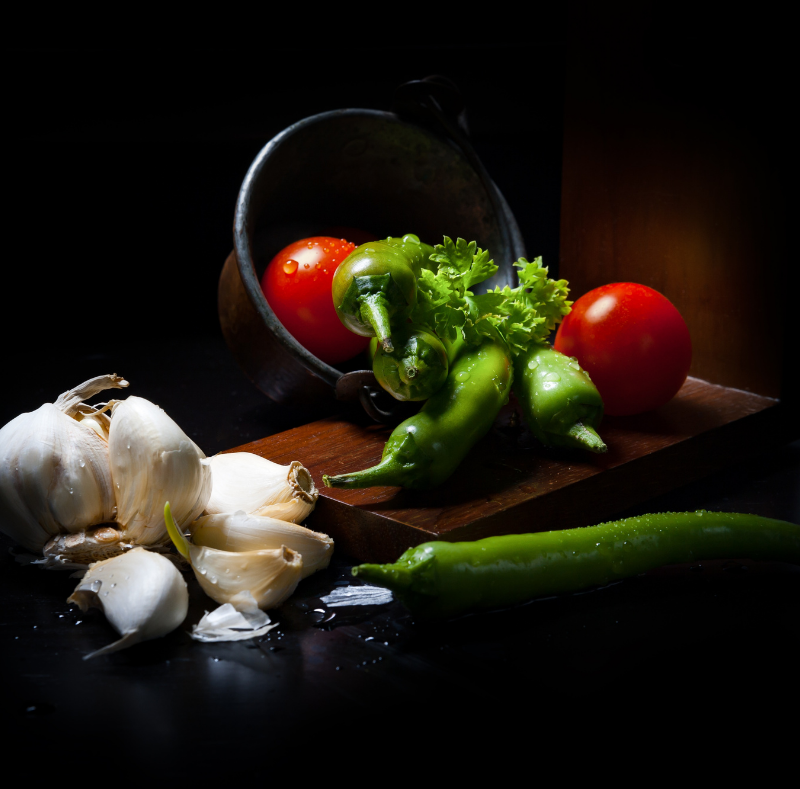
297, 285
632, 341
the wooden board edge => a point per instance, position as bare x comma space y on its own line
362, 535
657, 474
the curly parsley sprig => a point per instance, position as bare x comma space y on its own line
521, 315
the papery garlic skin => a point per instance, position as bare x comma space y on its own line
85, 547
269, 575
238, 620
96, 419
248, 482
54, 470
141, 593
239, 531
153, 461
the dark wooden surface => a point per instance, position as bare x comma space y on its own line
509, 483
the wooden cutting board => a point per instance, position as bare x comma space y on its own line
511, 484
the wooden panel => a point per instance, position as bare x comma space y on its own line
509, 483
664, 186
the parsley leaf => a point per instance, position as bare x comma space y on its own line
518, 316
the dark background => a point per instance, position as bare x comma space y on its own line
127, 168
123, 166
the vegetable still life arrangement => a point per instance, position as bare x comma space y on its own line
86, 488
111, 489
437, 341
248, 550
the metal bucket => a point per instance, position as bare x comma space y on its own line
356, 168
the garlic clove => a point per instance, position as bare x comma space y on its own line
153, 461
248, 482
95, 418
54, 477
141, 593
294, 511
270, 575
239, 531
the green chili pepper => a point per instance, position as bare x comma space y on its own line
427, 448
375, 287
440, 579
559, 401
415, 369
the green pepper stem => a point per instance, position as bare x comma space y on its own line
374, 311
410, 368
586, 437
388, 472
393, 576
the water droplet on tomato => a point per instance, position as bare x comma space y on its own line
310, 245
289, 267
552, 377
305, 265
533, 364
463, 376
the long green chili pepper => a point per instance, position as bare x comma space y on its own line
441, 579
415, 369
427, 448
375, 287
561, 405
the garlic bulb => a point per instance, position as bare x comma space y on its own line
239, 531
141, 593
153, 461
248, 482
270, 575
54, 469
